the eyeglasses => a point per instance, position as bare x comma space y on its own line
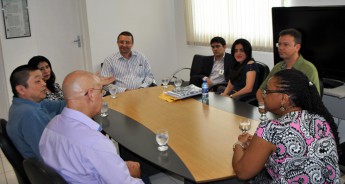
267, 91
285, 45
102, 91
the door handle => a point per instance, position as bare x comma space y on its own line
78, 41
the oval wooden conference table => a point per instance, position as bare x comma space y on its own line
201, 136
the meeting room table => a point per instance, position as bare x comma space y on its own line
201, 136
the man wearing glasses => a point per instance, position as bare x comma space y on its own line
215, 68
130, 68
288, 47
72, 143
30, 112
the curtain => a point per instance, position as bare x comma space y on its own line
230, 19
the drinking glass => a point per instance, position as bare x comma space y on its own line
162, 138
245, 126
262, 111
165, 82
112, 91
104, 109
178, 83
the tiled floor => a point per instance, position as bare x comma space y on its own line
7, 175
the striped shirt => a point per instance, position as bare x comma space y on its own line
132, 73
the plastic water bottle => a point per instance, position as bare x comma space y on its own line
204, 91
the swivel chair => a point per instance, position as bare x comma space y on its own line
39, 172
12, 154
195, 68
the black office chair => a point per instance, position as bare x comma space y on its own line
264, 70
12, 154
39, 172
194, 69
321, 86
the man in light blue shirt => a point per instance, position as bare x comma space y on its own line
29, 113
72, 144
130, 68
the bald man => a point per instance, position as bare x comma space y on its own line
72, 143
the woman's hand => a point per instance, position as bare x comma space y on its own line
223, 94
245, 139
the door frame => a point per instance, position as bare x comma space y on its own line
5, 99
85, 37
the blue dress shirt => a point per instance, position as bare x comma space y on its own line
26, 122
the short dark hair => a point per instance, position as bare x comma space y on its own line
126, 33
35, 61
218, 39
292, 32
20, 76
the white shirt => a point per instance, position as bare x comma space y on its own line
217, 72
132, 73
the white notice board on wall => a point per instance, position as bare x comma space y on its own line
16, 18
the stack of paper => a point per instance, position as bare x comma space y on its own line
184, 92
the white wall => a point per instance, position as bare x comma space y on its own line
151, 23
15, 52
46, 39
313, 2
3, 88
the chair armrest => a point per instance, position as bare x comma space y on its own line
215, 87
177, 71
249, 99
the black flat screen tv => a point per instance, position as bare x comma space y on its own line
323, 40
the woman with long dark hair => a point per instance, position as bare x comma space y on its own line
54, 91
298, 147
243, 78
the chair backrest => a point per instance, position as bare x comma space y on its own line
12, 154
39, 172
264, 70
196, 69
173, 77
197, 64
321, 86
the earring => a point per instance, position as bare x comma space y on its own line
282, 108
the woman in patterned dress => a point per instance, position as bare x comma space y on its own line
298, 147
54, 91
